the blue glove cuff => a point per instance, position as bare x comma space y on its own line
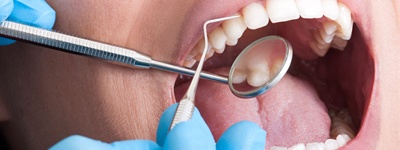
35, 13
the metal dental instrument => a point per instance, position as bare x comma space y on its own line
76, 45
127, 57
185, 109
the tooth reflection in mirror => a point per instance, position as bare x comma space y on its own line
260, 66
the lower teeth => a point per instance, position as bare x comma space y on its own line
329, 144
341, 132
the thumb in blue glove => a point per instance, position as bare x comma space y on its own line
35, 13
193, 134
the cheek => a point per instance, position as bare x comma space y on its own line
97, 20
126, 23
53, 95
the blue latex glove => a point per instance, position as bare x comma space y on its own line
190, 135
30, 12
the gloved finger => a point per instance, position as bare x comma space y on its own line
193, 134
244, 135
136, 145
6, 7
165, 122
31, 12
77, 142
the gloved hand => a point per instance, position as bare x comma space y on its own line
190, 135
30, 12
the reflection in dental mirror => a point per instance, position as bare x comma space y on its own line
260, 66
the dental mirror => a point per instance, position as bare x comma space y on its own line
260, 66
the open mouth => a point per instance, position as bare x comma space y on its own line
322, 103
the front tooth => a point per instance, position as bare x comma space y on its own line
234, 28
330, 9
280, 11
310, 8
300, 146
345, 22
315, 146
255, 16
342, 139
331, 144
218, 39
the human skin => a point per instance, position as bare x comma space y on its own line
48, 95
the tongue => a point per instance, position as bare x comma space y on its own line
291, 112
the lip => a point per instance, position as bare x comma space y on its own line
209, 9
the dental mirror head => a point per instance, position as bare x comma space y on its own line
260, 66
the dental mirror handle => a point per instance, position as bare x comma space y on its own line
76, 45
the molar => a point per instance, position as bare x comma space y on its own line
239, 76
277, 148
342, 139
331, 144
315, 146
319, 49
338, 43
326, 37
329, 27
300, 146
275, 67
257, 78
259, 72
317, 37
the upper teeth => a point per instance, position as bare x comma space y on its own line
255, 16
333, 31
310, 8
330, 9
234, 29
280, 11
